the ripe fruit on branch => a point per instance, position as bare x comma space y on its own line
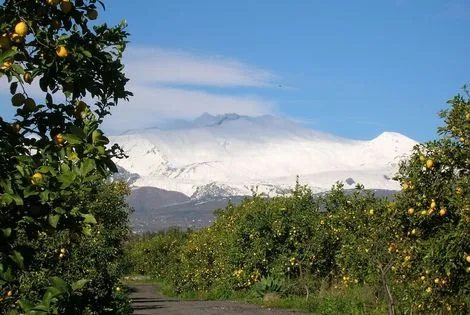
21, 28
59, 139
61, 51
37, 178
429, 163
27, 77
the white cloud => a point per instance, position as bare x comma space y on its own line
149, 106
156, 79
159, 80
157, 65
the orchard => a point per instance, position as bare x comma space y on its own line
345, 252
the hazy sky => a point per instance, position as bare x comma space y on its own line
352, 68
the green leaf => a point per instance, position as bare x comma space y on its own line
60, 285
86, 53
87, 166
89, 218
7, 55
6, 232
78, 285
53, 220
21, 170
30, 191
86, 230
17, 68
77, 132
45, 169
66, 179
44, 195
13, 87
72, 139
6, 199
18, 200
17, 258
43, 84
25, 305
96, 135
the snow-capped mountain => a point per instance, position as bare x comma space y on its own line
230, 154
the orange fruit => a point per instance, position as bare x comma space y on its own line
61, 51
28, 77
59, 139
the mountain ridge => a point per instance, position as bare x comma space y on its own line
235, 154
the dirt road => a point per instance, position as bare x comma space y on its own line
146, 300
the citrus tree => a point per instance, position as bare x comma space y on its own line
435, 217
64, 73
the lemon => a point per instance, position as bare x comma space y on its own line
429, 163
62, 52
37, 178
21, 28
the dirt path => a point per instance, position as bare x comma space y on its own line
146, 300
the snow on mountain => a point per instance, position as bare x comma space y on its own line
234, 155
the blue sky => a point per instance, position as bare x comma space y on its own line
352, 68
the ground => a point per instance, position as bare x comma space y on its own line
146, 300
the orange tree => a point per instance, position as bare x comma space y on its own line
53, 154
434, 261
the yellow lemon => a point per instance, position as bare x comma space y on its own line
37, 178
21, 28
429, 163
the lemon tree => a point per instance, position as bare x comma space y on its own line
65, 74
435, 217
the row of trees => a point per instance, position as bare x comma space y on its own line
61, 225
413, 252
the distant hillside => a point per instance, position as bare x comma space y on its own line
157, 209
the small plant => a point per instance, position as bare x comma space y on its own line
268, 285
